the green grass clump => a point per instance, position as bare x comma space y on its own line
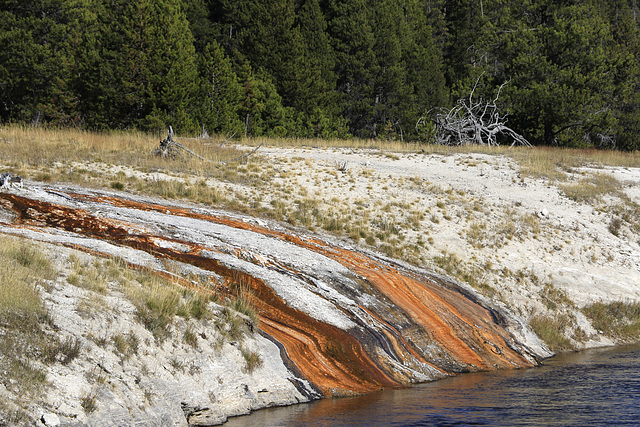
193, 305
158, 300
551, 330
616, 319
156, 305
91, 276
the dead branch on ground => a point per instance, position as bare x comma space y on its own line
170, 148
473, 121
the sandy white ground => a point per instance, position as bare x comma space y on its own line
574, 250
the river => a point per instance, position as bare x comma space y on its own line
594, 387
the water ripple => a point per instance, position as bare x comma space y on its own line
594, 388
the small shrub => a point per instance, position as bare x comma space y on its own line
121, 344
117, 185
88, 403
551, 330
614, 226
176, 364
190, 338
230, 324
70, 349
252, 359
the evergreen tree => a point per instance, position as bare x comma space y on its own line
35, 62
221, 93
315, 65
261, 107
202, 28
623, 16
410, 80
467, 52
563, 69
142, 69
353, 41
287, 40
391, 88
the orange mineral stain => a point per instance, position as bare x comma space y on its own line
336, 361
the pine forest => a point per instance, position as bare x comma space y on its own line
561, 72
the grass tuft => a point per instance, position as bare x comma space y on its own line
618, 319
551, 330
252, 359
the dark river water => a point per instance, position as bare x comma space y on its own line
590, 388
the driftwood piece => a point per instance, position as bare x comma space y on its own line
228, 139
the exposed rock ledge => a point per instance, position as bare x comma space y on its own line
333, 320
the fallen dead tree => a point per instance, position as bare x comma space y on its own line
170, 148
473, 121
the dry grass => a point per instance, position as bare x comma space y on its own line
23, 316
592, 189
553, 163
44, 147
98, 159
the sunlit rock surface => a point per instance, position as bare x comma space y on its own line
345, 321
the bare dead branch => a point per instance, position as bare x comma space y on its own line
169, 148
228, 139
476, 122
244, 155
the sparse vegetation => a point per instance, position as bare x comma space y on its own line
471, 274
614, 226
25, 345
88, 403
592, 189
126, 344
554, 298
190, 337
552, 330
619, 319
252, 359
